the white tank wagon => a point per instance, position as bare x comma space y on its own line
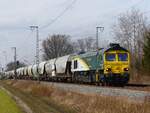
10, 74
41, 70
21, 71
30, 73
63, 66
25, 71
18, 72
54, 68
58, 68
50, 68
35, 71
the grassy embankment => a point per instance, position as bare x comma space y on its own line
36, 102
7, 104
47, 99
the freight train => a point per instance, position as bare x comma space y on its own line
103, 66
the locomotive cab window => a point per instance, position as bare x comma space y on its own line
75, 64
122, 57
110, 57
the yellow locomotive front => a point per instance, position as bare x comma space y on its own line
116, 64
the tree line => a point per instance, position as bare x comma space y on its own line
59, 45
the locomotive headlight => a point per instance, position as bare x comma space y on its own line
108, 69
126, 69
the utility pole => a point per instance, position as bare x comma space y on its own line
15, 61
37, 46
101, 29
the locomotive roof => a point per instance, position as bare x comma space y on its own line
91, 53
116, 47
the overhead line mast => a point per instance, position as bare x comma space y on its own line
37, 47
97, 41
37, 42
15, 61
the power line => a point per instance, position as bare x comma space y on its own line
84, 35
46, 25
59, 15
140, 1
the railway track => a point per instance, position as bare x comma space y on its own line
134, 92
127, 92
131, 86
138, 85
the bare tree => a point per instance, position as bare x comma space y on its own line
129, 31
90, 43
85, 44
57, 45
11, 65
81, 44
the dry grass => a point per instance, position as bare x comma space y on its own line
100, 104
139, 77
31, 95
82, 103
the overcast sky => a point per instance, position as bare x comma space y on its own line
78, 21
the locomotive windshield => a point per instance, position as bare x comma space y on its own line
110, 57
122, 57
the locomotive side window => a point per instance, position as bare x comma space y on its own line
122, 57
75, 64
110, 57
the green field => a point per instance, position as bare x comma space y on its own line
7, 104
